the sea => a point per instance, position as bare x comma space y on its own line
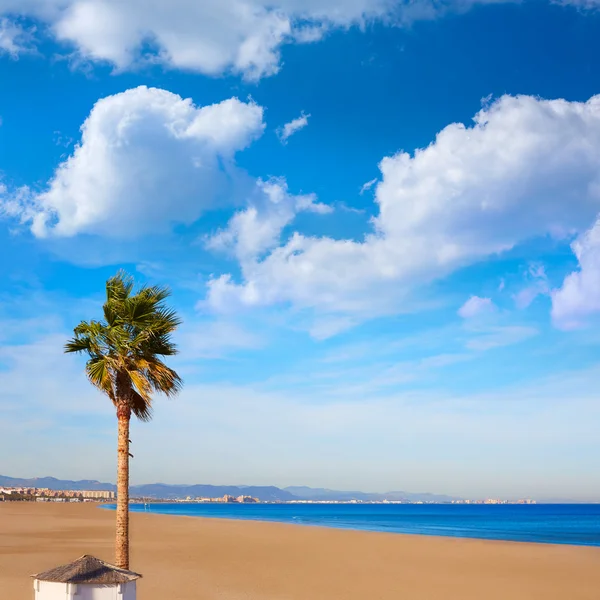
577, 524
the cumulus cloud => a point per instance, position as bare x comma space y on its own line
210, 36
147, 159
579, 296
289, 129
257, 229
527, 167
476, 306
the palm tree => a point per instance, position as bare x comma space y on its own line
124, 351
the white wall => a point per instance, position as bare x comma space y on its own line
45, 590
129, 591
100, 592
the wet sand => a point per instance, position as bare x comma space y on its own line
187, 558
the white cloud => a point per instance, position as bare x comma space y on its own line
526, 296
488, 338
476, 306
44, 356
579, 296
538, 286
147, 159
289, 129
14, 203
256, 229
527, 167
14, 39
329, 326
367, 186
486, 327
210, 36
216, 339
581, 4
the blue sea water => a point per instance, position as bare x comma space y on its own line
577, 524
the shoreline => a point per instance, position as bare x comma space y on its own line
231, 559
369, 531
330, 525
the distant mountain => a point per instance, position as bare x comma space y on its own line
264, 493
307, 493
162, 490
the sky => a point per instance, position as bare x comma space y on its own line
378, 220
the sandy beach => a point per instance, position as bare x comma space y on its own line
241, 560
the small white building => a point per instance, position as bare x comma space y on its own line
87, 578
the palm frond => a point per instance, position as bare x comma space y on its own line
111, 315
141, 384
160, 345
140, 407
99, 374
119, 287
78, 344
125, 347
163, 379
158, 294
168, 318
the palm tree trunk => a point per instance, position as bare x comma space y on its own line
122, 541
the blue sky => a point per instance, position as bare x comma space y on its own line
378, 220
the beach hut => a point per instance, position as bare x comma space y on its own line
87, 578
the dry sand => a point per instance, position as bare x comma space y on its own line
191, 558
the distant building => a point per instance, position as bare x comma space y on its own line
98, 494
56, 494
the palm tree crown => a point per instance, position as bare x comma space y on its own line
124, 348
